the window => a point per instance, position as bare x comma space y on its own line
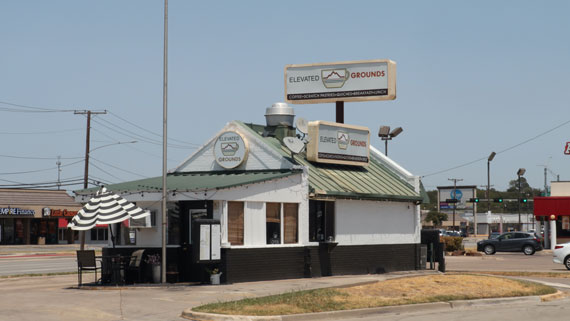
321, 221
173, 223
99, 234
290, 222
273, 222
235, 223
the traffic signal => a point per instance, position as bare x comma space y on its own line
451, 200
474, 200
498, 200
523, 200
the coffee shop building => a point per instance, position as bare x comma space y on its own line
275, 211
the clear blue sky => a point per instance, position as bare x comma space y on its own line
473, 77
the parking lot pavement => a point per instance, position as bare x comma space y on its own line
539, 262
57, 298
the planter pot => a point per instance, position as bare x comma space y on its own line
215, 278
155, 273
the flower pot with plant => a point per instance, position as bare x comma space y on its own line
153, 260
214, 275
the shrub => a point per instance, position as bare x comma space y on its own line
452, 243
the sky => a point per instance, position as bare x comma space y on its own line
473, 77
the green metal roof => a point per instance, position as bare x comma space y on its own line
375, 181
195, 181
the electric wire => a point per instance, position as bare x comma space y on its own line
156, 134
499, 152
115, 167
34, 109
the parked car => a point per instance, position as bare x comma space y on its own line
525, 242
452, 233
494, 235
562, 254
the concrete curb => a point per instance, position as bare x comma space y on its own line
339, 315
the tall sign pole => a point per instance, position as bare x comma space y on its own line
454, 196
164, 141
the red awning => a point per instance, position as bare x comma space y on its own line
125, 224
552, 205
62, 222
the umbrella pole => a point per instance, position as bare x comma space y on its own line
112, 236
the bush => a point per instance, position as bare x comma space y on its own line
452, 243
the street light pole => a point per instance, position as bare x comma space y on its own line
385, 134
520, 173
491, 157
164, 141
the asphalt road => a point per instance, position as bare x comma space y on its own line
37, 264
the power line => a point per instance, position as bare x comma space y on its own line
148, 131
33, 109
115, 167
38, 158
499, 152
41, 132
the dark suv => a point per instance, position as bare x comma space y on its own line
525, 242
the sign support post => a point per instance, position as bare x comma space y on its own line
340, 112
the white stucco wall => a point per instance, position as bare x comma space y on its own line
291, 189
559, 188
373, 222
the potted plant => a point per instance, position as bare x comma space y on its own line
154, 261
214, 275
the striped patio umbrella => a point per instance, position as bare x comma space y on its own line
105, 208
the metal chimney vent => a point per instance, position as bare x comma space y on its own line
280, 114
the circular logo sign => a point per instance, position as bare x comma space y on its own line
230, 150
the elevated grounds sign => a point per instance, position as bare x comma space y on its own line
336, 143
340, 81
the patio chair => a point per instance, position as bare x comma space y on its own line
86, 262
135, 263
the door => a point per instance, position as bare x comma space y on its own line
506, 242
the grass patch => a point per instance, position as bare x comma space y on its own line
413, 290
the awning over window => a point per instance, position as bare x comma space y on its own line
552, 205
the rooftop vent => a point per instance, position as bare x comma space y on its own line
280, 114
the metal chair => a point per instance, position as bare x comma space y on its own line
86, 262
135, 263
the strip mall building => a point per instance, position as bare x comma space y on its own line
36, 216
338, 208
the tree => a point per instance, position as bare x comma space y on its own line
514, 186
436, 217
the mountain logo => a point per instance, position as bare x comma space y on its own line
334, 78
342, 139
229, 149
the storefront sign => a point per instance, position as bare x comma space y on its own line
340, 81
336, 143
230, 150
16, 211
58, 213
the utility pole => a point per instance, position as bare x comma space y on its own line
58, 163
455, 180
86, 173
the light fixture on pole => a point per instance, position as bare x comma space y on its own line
491, 157
385, 134
520, 173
